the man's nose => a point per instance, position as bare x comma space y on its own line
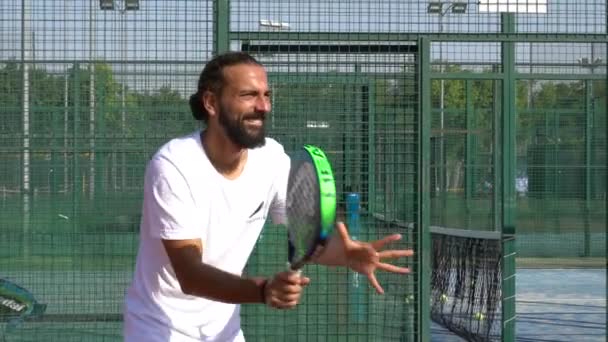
262, 104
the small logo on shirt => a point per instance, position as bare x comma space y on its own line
257, 209
253, 217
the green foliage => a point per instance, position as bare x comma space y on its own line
163, 111
55, 96
552, 111
128, 119
11, 97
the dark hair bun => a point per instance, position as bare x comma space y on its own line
196, 106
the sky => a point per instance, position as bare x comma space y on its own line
179, 32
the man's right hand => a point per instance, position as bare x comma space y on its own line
283, 291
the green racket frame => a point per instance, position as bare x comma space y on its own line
327, 189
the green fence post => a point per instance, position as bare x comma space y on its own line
470, 162
371, 148
221, 26
508, 179
496, 159
424, 190
102, 148
75, 144
588, 151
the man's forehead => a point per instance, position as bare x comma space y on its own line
245, 72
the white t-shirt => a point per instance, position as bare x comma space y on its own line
186, 198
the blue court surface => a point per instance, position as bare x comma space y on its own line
555, 305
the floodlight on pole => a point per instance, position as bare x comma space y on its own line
266, 23
589, 62
106, 5
127, 5
131, 5
459, 7
435, 7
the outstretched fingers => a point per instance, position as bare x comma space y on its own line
374, 282
379, 244
341, 227
392, 268
395, 253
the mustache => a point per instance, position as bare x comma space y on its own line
254, 116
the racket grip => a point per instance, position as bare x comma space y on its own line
289, 269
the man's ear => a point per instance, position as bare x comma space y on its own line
210, 102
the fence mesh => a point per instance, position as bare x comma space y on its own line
88, 94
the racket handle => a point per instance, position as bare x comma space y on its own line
289, 269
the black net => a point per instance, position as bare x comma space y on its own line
466, 282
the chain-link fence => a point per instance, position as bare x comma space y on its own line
449, 114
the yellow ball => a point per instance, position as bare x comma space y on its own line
479, 316
443, 298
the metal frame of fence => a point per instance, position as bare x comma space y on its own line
88, 150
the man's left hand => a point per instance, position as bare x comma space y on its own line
367, 257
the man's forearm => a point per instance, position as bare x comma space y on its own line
212, 283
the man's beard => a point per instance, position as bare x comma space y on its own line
238, 133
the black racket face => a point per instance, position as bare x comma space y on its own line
303, 209
311, 204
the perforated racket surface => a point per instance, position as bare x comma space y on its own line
311, 204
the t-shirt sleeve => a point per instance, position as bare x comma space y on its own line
278, 205
169, 208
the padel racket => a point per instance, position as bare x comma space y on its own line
17, 304
310, 205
